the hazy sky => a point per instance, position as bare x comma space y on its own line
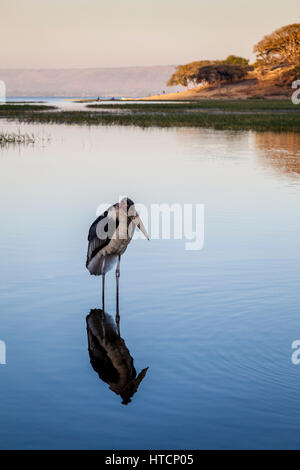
112, 33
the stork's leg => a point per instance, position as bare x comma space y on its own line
117, 294
103, 283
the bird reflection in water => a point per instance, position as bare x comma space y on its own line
110, 357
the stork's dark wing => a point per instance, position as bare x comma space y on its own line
100, 226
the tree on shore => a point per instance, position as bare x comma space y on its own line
221, 73
282, 47
236, 60
186, 74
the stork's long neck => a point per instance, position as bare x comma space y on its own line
123, 232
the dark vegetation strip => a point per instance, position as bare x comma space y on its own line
21, 108
258, 122
230, 105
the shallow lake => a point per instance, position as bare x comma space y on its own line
215, 326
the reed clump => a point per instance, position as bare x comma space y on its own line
16, 138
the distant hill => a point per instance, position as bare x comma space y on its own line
123, 81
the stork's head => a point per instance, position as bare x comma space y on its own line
127, 205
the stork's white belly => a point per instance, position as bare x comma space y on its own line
102, 264
106, 258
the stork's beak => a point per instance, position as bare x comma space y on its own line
137, 221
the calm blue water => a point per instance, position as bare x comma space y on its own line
214, 326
